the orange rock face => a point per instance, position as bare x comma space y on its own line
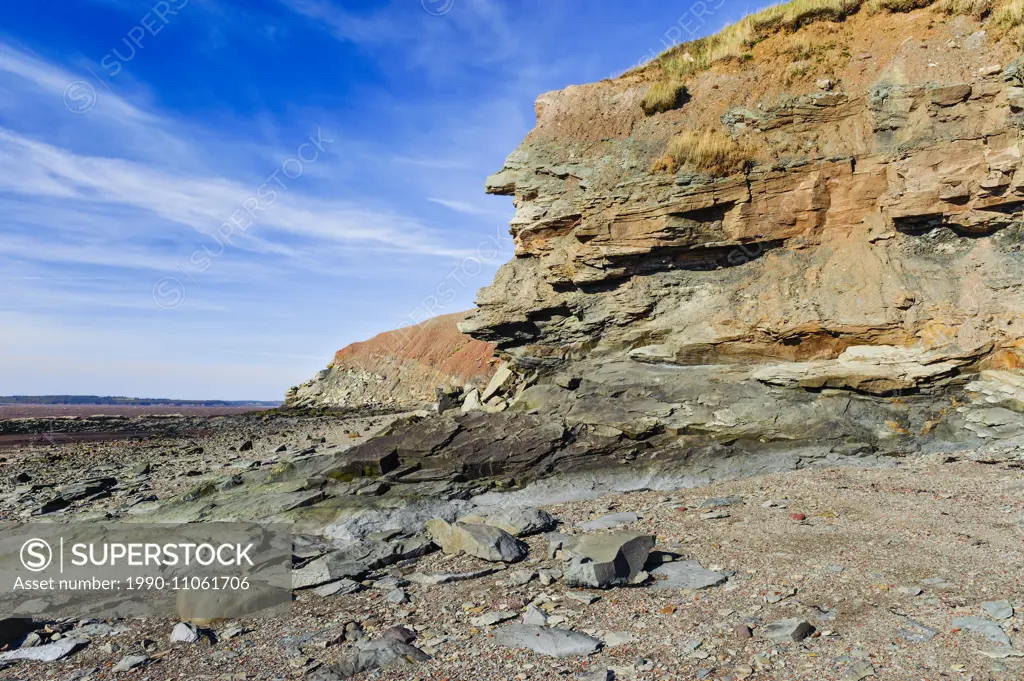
400, 368
885, 209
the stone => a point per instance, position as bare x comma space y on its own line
858, 671
330, 568
582, 597
686, 574
948, 95
788, 630
990, 630
598, 675
130, 662
603, 560
339, 587
609, 522
999, 610
471, 402
614, 639
535, 616
450, 577
141, 469
519, 522
519, 578
824, 84
915, 632
245, 446
991, 70
50, 652
397, 596
482, 541
500, 382
233, 631
492, 618
384, 652
546, 641
184, 632
742, 631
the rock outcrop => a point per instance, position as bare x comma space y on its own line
400, 369
844, 287
854, 288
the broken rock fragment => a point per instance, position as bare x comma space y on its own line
600, 561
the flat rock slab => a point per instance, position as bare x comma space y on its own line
449, 577
609, 522
546, 641
51, 652
990, 630
789, 630
342, 586
686, 574
999, 610
915, 632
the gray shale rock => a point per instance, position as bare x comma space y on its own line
383, 652
788, 631
482, 541
609, 522
686, 575
51, 652
600, 561
990, 630
546, 641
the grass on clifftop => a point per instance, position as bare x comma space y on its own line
735, 40
706, 151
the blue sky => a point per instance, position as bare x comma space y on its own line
207, 198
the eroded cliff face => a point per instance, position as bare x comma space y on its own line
884, 210
857, 292
399, 369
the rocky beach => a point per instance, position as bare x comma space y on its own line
747, 402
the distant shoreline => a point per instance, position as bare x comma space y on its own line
97, 400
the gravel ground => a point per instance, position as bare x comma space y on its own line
861, 555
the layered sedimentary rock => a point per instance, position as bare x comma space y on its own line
883, 212
856, 291
846, 287
400, 369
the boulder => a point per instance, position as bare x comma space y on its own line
600, 561
482, 541
517, 521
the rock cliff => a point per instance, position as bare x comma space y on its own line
399, 369
807, 250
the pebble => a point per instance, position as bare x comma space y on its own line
130, 662
788, 630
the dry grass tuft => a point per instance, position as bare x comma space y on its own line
1008, 18
708, 151
972, 8
896, 6
663, 96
